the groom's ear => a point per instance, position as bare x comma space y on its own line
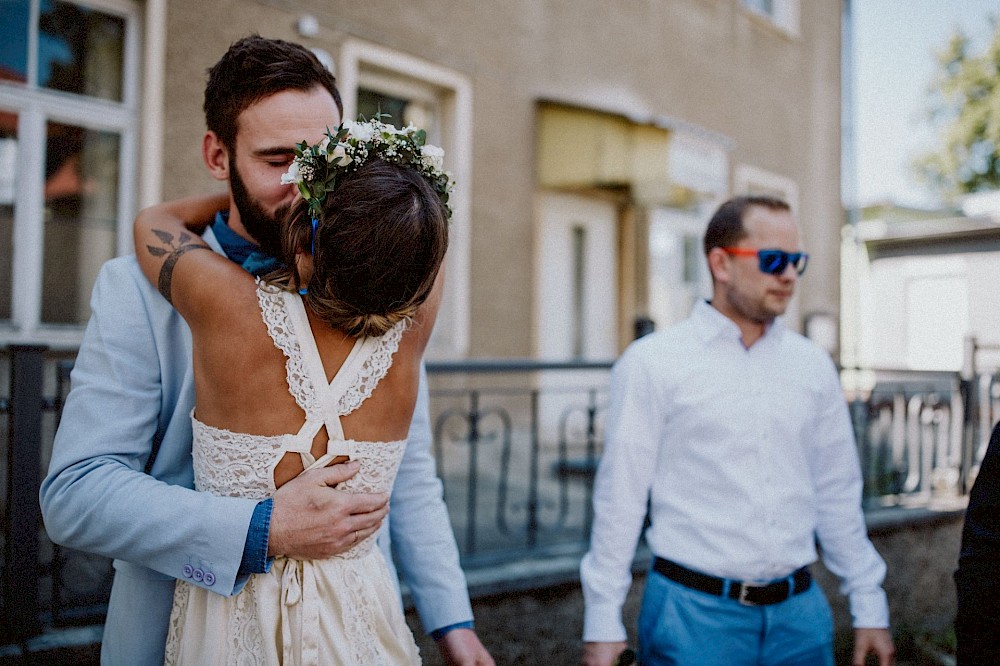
215, 155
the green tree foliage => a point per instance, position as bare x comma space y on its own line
966, 109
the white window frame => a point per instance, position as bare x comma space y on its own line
35, 107
364, 64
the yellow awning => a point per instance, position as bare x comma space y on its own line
581, 148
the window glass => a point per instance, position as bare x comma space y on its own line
8, 179
579, 286
693, 258
80, 50
14, 44
81, 210
398, 111
371, 103
765, 7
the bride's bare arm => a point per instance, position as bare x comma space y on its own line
165, 236
194, 213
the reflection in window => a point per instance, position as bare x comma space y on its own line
81, 210
8, 180
80, 50
14, 45
396, 110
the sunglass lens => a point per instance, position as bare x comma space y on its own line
773, 261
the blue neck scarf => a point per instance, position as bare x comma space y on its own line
241, 251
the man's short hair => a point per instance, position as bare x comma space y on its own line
255, 68
725, 229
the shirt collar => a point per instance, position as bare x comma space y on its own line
233, 245
710, 323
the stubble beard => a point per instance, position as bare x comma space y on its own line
753, 310
264, 227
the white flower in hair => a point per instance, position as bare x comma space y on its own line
347, 148
291, 177
432, 157
360, 131
392, 129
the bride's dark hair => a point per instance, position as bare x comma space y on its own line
379, 245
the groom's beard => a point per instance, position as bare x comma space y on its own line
264, 227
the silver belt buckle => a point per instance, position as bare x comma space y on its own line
744, 590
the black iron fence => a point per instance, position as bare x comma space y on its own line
43, 584
911, 428
516, 444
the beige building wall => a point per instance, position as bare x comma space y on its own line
774, 95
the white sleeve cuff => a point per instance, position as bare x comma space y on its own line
870, 609
602, 623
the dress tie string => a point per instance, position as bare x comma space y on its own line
299, 614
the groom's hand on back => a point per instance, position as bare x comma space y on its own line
311, 519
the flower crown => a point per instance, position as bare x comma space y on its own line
345, 149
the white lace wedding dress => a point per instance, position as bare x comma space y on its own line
343, 610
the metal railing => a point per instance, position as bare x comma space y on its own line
516, 445
910, 432
42, 583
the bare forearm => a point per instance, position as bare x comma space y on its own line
165, 232
193, 213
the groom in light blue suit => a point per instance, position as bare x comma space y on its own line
120, 481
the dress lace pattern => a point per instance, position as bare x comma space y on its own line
282, 329
279, 326
342, 610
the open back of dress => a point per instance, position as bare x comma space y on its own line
341, 610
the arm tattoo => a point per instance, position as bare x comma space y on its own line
172, 252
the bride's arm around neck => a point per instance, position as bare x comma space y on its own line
196, 283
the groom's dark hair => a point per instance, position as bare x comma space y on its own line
255, 68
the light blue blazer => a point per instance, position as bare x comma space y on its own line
133, 390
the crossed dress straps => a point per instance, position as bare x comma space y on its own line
325, 408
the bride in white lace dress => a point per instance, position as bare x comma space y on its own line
316, 365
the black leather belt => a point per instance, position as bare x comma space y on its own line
745, 593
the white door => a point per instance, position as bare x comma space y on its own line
576, 285
678, 272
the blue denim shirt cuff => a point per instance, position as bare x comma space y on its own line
438, 634
255, 559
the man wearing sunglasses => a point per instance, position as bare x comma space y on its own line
734, 432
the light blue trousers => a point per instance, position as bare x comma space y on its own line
679, 626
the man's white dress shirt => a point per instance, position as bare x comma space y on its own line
746, 456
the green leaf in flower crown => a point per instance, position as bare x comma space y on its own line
319, 190
420, 137
304, 191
